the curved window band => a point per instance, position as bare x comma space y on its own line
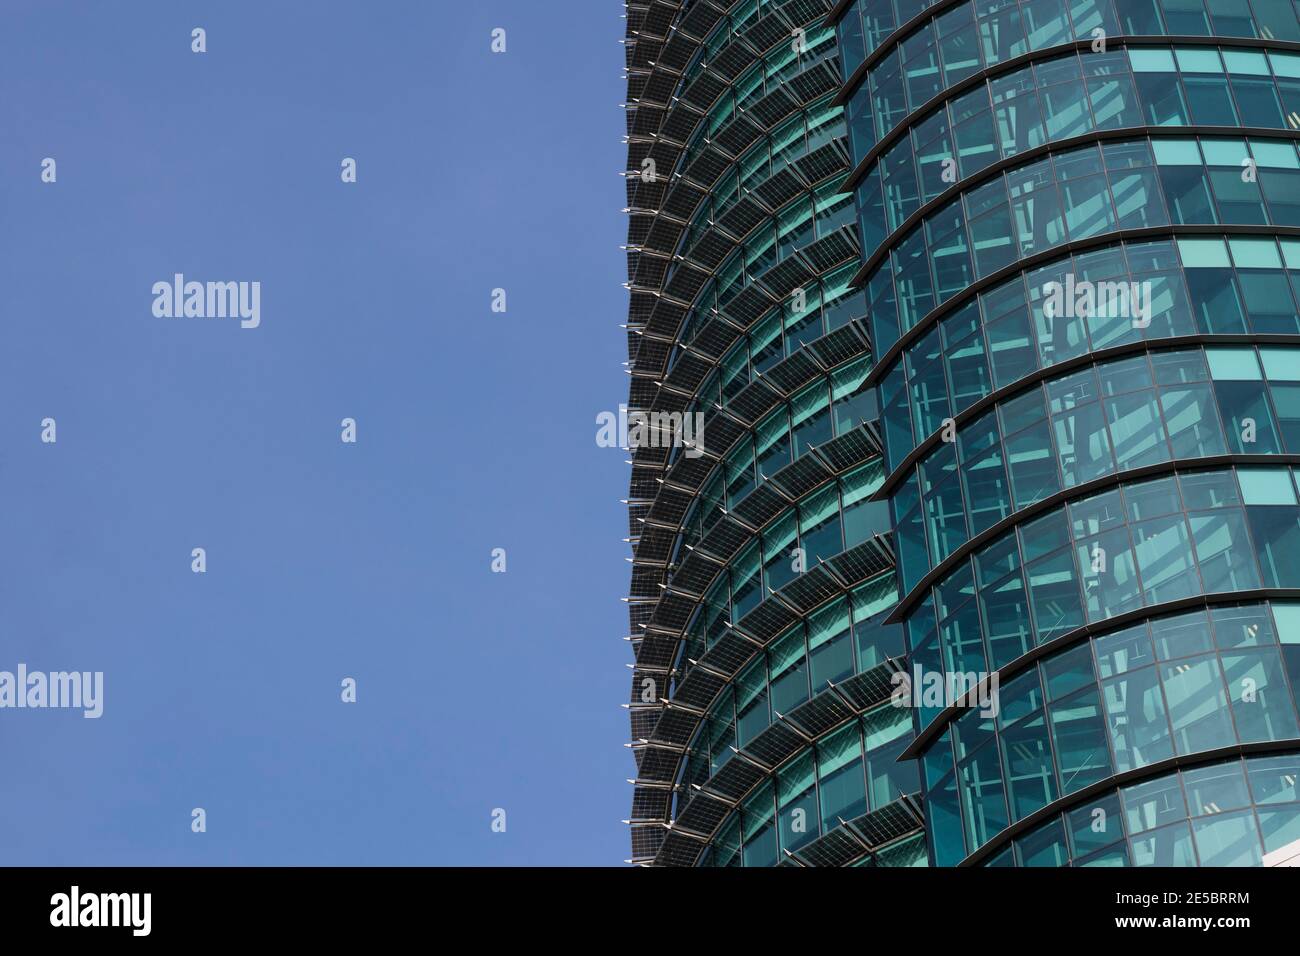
1003, 340
1051, 97
1111, 185
825, 523
1137, 548
1071, 639
1143, 819
1173, 686
868, 274
887, 361
1155, 407
829, 407
938, 39
843, 774
909, 599
877, 125
778, 336
1013, 77
778, 680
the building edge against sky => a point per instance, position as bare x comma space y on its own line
988, 310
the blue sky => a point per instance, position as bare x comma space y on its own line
325, 560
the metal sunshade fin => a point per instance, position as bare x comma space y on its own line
761, 505
735, 779
811, 589
871, 688
850, 449
842, 345
703, 814
755, 400
837, 848
730, 653
887, 824
739, 134
774, 107
768, 620
822, 714
794, 372
699, 688
776, 744
786, 276
825, 162
801, 476
733, 59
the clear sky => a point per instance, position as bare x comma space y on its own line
325, 560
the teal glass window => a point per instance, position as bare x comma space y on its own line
943, 816
840, 776
1164, 559
1031, 780
752, 716
1135, 719
1266, 486
1078, 733
800, 820
1169, 846
1198, 705
887, 731
1224, 551
758, 828
1274, 779
830, 643
788, 661
1262, 706
1229, 839
1098, 823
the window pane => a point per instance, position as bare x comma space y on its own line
1198, 705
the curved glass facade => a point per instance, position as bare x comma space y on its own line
1212, 90
841, 639
743, 309
847, 773
1082, 297
1174, 686
1230, 813
1031, 301
1198, 285
773, 238
803, 133
830, 408
1069, 96
827, 522
824, 307
772, 72
818, 413
1105, 419
950, 45
1072, 196
1142, 544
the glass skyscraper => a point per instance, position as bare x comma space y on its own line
992, 310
